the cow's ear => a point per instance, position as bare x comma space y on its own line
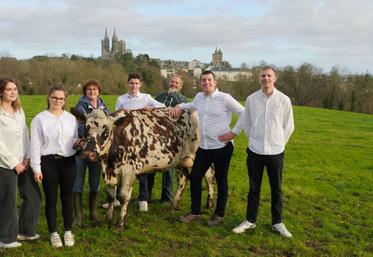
78, 115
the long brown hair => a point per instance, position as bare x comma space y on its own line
57, 87
3, 83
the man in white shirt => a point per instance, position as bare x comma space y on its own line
134, 100
268, 124
215, 110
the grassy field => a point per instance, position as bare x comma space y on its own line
328, 201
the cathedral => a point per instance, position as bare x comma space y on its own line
117, 46
217, 60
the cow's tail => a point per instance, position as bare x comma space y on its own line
194, 128
194, 138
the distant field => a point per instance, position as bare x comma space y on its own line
328, 201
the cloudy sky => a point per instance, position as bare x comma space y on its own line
288, 32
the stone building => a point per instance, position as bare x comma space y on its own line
117, 46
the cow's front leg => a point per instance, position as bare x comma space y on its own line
125, 195
110, 190
182, 178
210, 181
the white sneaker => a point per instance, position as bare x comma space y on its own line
10, 245
106, 205
143, 206
68, 237
243, 227
280, 227
21, 237
56, 240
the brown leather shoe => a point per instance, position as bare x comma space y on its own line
189, 217
214, 220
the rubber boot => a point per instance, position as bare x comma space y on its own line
78, 209
93, 200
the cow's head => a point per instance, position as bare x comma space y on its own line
98, 131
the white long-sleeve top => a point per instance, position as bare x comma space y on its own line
14, 139
138, 101
215, 115
52, 134
267, 121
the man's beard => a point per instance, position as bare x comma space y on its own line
172, 90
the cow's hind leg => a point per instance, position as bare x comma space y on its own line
110, 190
182, 178
210, 181
125, 195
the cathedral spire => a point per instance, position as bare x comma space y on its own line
106, 36
115, 38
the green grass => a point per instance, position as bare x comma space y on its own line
328, 201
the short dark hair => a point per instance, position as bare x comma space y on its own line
91, 82
133, 76
206, 72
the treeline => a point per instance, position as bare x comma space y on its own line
310, 86
38, 73
305, 85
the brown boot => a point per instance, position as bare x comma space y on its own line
78, 209
93, 199
189, 218
215, 220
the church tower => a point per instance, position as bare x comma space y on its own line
117, 46
217, 58
114, 43
105, 46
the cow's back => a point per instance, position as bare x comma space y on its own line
146, 140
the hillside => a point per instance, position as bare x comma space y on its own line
328, 201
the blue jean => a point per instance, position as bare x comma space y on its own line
167, 184
94, 170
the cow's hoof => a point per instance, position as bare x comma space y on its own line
173, 208
209, 205
119, 226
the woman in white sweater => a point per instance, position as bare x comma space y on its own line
14, 166
53, 134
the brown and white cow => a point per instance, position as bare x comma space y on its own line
129, 143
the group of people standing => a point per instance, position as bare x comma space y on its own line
49, 157
267, 120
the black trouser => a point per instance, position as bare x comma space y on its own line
58, 171
255, 166
204, 158
8, 206
30, 194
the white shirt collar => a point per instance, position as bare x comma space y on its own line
133, 96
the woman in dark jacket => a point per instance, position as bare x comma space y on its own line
86, 104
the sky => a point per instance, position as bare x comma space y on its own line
325, 33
